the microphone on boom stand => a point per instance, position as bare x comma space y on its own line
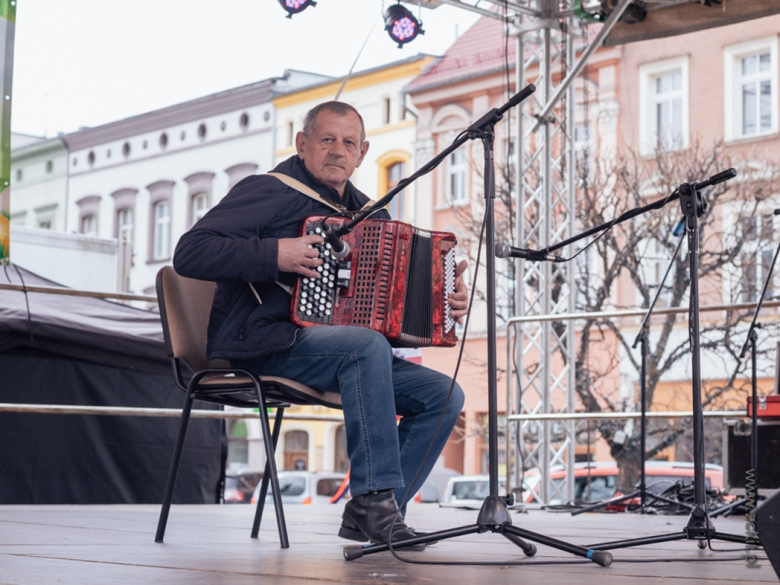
504, 250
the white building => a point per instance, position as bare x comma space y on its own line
39, 182
148, 178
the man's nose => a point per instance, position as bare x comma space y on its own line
337, 148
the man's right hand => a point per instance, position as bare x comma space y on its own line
298, 255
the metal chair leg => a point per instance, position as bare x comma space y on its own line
266, 474
271, 465
177, 451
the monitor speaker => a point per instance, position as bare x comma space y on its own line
768, 527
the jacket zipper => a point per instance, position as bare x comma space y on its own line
243, 327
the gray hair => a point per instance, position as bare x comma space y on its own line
338, 108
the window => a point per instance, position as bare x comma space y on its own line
290, 133
296, 450
200, 205
750, 72
386, 111
663, 105
238, 447
456, 177
44, 216
755, 94
88, 215
124, 221
162, 230
396, 207
756, 258
89, 225
341, 462
667, 107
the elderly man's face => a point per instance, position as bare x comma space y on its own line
334, 149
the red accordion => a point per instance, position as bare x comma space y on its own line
395, 280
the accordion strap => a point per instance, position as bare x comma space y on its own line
309, 192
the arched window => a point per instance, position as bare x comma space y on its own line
162, 230
397, 207
392, 167
296, 450
200, 205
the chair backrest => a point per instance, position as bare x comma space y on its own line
185, 307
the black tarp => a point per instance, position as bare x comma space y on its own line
86, 351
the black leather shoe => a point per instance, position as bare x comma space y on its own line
368, 517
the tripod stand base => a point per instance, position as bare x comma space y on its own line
699, 528
493, 517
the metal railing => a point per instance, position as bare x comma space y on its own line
154, 412
511, 336
55, 290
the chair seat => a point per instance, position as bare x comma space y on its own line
277, 387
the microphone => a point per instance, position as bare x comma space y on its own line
338, 247
715, 179
504, 250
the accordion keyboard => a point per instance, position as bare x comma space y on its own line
318, 294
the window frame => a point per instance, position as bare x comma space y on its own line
159, 192
732, 99
89, 206
647, 114
198, 184
460, 168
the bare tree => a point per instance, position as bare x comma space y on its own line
730, 252
728, 255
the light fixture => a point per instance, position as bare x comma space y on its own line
401, 25
296, 6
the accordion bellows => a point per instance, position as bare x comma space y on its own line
395, 280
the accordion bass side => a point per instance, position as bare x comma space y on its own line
395, 280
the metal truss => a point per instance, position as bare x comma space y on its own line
543, 361
542, 369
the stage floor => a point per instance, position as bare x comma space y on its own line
210, 544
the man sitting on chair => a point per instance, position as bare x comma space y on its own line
251, 236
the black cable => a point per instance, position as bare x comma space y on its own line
610, 226
26, 299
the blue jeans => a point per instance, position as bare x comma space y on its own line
374, 387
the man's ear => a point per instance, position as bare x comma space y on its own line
300, 143
363, 151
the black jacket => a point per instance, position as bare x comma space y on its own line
236, 243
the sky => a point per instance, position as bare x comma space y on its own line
86, 63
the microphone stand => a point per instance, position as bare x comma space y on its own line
751, 495
641, 338
699, 526
494, 514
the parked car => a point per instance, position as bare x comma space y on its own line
659, 475
435, 485
469, 491
240, 485
306, 487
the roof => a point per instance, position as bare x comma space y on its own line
210, 105
481, 50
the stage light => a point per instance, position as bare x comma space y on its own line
401, 25
296, 6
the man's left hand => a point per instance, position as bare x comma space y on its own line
459, 300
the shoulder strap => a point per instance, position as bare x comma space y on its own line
309, 192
